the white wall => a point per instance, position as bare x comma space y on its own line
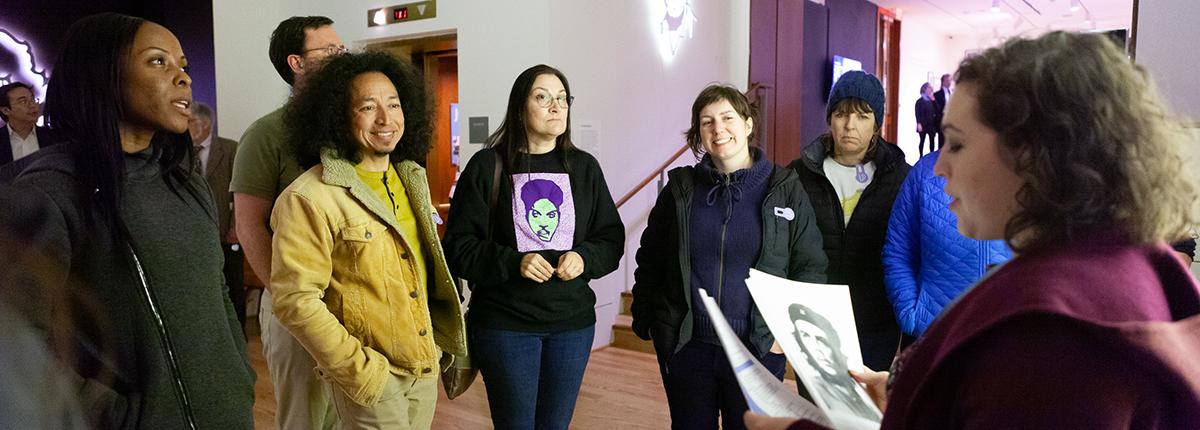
247, 85
608, 50
923, 52
1162, 25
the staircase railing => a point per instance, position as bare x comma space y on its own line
657, 173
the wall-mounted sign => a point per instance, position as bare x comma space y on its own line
402, 13
477, 129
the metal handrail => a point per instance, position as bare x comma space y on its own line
651, 177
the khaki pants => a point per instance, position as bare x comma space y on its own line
302, 400
407, 403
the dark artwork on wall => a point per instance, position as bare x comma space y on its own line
31, 32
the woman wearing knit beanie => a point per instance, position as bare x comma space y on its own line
732, 211
852, 176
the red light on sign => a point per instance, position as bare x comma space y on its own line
399, 14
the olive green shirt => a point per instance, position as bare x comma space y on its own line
264, 164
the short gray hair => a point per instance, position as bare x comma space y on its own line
202, 110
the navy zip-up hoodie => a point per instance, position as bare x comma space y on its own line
725, 243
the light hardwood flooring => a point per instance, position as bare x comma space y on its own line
621, 390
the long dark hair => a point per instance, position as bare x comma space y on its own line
83, 106
510, 140
318, 118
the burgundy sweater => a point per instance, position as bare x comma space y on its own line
1098, 334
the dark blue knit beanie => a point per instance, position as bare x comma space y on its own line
860, 85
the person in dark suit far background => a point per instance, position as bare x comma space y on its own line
20, 135
928, 123
214, 158
940, 98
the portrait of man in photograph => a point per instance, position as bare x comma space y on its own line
823, 348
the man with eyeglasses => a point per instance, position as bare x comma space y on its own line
20, 136
263, 167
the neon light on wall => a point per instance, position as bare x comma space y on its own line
17, 64
674, 21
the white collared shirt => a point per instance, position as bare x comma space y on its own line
22, 147
202, 154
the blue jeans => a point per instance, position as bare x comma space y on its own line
532, 379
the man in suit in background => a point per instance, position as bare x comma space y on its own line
20, 135
940, 98
214, 158
927, 123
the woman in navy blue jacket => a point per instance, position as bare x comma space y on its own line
927, 263
732, 211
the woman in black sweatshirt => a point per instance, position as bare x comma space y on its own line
530, 224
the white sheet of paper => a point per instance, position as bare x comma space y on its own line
842, 400
764, 394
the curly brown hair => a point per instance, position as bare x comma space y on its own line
1087, 130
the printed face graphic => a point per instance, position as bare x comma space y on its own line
543, 212
542, 199
820, 350
543, 219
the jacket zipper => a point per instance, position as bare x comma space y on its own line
166, 342
721, 251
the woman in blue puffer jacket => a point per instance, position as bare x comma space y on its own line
926, 262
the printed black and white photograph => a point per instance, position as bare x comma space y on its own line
814, 324
822, 348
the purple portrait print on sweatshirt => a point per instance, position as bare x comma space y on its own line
543, 211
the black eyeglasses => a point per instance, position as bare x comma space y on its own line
330, 50
544, 100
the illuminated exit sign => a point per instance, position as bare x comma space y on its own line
402, 13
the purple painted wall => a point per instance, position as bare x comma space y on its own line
43, 25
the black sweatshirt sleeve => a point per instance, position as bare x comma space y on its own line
604, 243
470, 254
653, 254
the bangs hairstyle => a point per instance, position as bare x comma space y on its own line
318, 118
511, 140
851, 106
713, 94
1086, 129
84, 107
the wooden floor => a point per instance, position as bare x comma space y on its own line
621, 390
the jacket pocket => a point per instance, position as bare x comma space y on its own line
357, 235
